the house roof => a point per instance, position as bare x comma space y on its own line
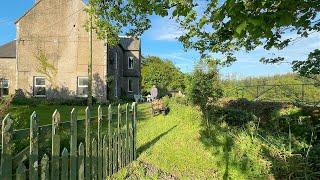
130, 43
8, 50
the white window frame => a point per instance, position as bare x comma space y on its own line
132, 67
1, 82
82, 86
130, 91
35, 85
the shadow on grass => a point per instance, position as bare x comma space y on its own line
149, 144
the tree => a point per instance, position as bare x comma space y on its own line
203, 86
45, 67
162, 73
222, 27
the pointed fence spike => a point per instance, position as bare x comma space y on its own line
55, 147
81, 162
21, 172
34, 145
88, 144
45, 167
65, 164
73, 144
7, 146
99, 174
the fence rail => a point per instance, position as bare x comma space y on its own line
302, 93
103, 152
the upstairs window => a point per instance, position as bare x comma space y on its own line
4, 87
116, 60
39, 87
130, 86
82, 86
130, 62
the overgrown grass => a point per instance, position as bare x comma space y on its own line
178, 145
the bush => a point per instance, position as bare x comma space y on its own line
233, 117
203, 88
36, 101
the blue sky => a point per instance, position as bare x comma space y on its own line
161, 41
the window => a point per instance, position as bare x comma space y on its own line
130, 89
4, 87
130, 62
39, 87
116, 60
82, 86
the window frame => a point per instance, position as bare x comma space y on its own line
130, 91
39, 86
116, 59
132, 67
8, 85
82, 86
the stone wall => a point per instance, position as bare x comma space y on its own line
57, 29
8, 70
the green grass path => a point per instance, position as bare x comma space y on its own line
172, 143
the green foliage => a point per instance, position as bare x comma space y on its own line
45, 67
203, 85
220, 27
162, 73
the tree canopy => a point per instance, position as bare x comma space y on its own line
162, 73
219, 26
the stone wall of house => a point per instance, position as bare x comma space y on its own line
8, 70
121, 74
57, 29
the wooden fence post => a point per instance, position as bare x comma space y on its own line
45, 168
64, 165
127, 135
94, 162
55, 148
118, 138
99, 143
114, 152
134, 127
81, 162
88, 145
21, 172
34, 144
109, 141
6, 152
73, 145
105, 158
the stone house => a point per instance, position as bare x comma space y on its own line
51, 51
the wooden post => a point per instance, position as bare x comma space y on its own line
45, 168
94, 162
64, 165
118, 138
88, 145
21, 172
109, 140
134, 124
105, 165
81, 162
99, 143
73, 145
114, 153
7, 145
34, 143
55, 148
127, 136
